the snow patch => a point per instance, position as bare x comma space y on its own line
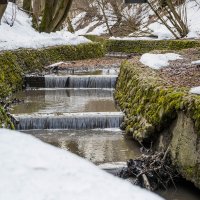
31, 169
197, 62
158, 61
195, 90
23, 35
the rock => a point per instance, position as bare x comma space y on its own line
184, 144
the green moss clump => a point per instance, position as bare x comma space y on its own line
10, 74
5, 121
149, 104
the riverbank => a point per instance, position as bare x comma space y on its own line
160, 109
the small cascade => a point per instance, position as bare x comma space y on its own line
105, 81
69, 121
80, 101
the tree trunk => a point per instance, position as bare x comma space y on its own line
2, 10
55, 13
70, 26
27, 5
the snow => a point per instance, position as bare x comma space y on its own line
31, 169
56, 64
158, 61
23, 35
193, 14
195, 90
85, 30
99, 30
197, 62
160, 31
193, 22
112, 165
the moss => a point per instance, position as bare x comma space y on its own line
14, 64
5, 121
149, 104
143, 46
192, 173
96, 38
189, 171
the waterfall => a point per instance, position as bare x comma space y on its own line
105, 81
69, 121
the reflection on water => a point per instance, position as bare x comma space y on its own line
98, 146
183, 191
64, 100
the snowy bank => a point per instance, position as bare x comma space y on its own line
158, 61
31, 169
23, 35
195, 90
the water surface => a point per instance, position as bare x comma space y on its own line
64, 101
98, 146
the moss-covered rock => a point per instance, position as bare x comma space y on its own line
5, 121
14, 64
152, 106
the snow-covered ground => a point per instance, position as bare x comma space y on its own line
158, 61
23, 35
195, 90
31, 169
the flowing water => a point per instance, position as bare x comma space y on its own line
74, 110
98, 146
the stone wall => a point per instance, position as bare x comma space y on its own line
157, 112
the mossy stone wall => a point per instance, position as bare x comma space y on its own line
150, 105
153, 108
143, 46
14, 64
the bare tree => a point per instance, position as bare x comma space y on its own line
173, 11
102, 5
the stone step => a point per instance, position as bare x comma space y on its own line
89, 120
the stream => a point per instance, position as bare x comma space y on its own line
74, 110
